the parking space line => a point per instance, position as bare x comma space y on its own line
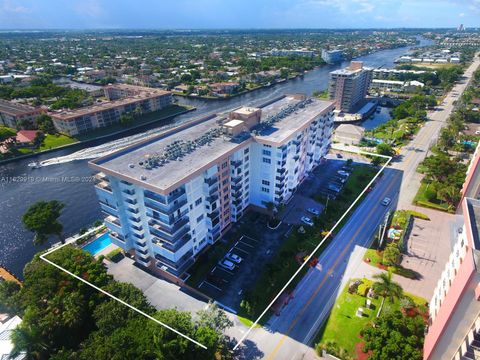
248, 237
206, 282
227, 271
244, 251
244, 243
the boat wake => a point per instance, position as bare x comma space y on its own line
106, 148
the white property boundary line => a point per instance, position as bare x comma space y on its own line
321, 242
114, 297
43, 257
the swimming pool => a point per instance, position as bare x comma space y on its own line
98, 244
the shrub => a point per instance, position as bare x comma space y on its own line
98, 223
430, 194
364, 287
418, 215
83, 231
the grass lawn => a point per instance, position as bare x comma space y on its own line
421, 199
53, 141
282, 266
343, 319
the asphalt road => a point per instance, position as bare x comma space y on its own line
316, 292
287, 336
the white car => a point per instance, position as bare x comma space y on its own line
306, 220
234, 257
386, 201
343, 173
313, 211
227, 264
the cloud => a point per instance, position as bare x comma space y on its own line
90, 8
8, 6
461, 14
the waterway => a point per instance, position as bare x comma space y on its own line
71, 182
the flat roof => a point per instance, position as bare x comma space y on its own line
142, 93
126, 163
233, 123
284, 129
12, 108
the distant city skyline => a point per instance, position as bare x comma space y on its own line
210, 14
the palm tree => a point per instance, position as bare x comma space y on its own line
386, 287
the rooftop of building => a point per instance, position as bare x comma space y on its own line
14, 109
140, 93
167, 160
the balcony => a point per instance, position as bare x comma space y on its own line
133, 210
117, 236
211, 181
113, 220
99, 177
296, 157
134, 219
237, 179
280, 178
111, 206
143, 260
171, 235
281, 171
236, 163
212, 198
104, 186
164, 209
175, 267
279, 192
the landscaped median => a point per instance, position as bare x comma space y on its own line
297, 246
341, 334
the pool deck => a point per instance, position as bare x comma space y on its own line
106, 250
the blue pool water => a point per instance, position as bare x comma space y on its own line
98, 244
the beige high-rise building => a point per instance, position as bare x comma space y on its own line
348, 87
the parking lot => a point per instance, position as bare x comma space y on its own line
228, 285
221, 277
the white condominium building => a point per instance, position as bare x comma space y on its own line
167, 198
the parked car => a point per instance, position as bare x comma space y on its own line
334, 187
313, 211
386, 201
340, 179
307, 221
339, 156
343, 173
227, 264
234, 257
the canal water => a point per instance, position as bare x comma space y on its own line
71, 182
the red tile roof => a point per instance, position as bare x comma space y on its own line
25, 136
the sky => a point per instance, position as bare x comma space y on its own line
210, 14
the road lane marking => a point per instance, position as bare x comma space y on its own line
325, 278
354, 203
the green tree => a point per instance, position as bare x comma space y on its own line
391, 254
386, 287
385, 149
395, 337
450, 194
42, 219
8, 297
45, 124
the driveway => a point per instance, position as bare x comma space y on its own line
161, 293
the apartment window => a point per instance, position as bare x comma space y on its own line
247, 173
247, 158
246, 150
265, 182
224, 165
224, 182
266, 152
267, 160
225, 198
265, 190
247, 187
198, 201
200, 218
225, 173
267, 146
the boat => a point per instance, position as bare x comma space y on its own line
35, 165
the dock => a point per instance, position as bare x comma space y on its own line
6, 275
